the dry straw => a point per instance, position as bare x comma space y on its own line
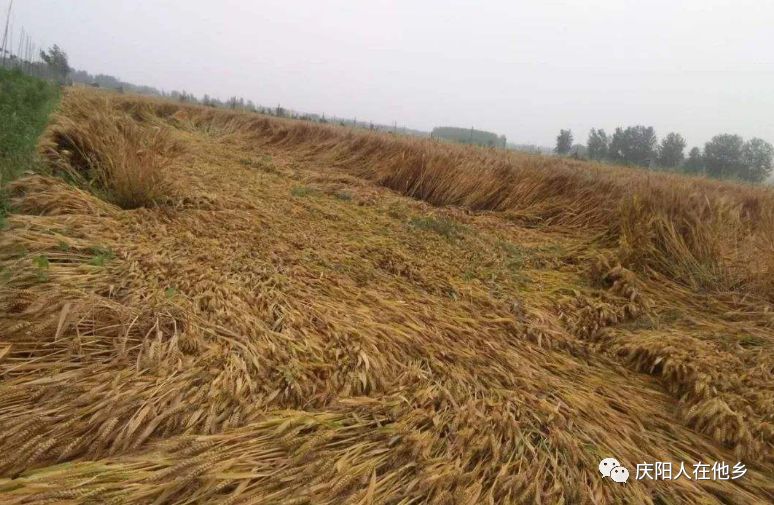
276, 327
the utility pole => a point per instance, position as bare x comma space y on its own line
28, 55
5, 32
19, 49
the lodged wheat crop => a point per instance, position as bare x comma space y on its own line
205, 306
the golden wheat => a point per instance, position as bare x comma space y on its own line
283, 325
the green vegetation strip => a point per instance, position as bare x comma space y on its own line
25, 104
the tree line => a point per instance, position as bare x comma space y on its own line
469, 136
725, 156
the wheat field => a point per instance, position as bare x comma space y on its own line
207, 306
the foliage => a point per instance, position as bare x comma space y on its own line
441, 226
468, 136
636, 145
694, 164
102, 255
56, 59
302, 191
25, 104
597, 145
757, 160
723, 156
563, 142
670, 151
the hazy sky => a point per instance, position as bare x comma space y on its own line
520, 68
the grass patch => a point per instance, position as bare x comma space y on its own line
750, 341
25, 104
302, 191
514, 255
101, 256
41, 267
441, 226
397, 211
264, 164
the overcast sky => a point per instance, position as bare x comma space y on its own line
523, 68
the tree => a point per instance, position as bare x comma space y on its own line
670, 152
564, 142
695, 162
56, 59
636, 145
723, 156
579, 152
757, 155
597, 145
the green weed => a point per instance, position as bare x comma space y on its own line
102, 255
441, 226
25, 104
302, 191
41, 265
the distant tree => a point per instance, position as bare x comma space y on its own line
564, 142
56, 59
279, 111
597, 145
185, 96
579, 152
670, 151
695, 162
468, 136
723, 156
636, 145
236, 103
757, 155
